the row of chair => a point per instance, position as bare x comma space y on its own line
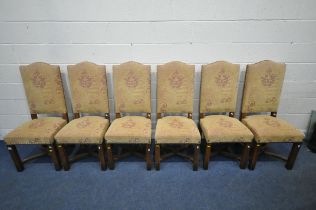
130, 133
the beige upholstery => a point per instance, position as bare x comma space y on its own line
84, 130
43, 88
38, 131
129, 129
177, 130
88, 88
132, 87
271, 129
175, 87
221, 128
263, 85
219, 87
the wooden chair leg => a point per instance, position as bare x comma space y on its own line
207, 155
52, 151
63, 157
101, 154
255, 155
196, 157
157, 157
244, 156
148, 159
15, 157
110, 157
292, 156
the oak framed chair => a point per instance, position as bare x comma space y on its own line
261, 94
89, 92
129, 133
219, 88
45, 95
175, 91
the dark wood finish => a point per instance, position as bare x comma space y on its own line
273, 114
52, 151
207, 155
76, 115
101, 154
278, 156
255, 155
148, 115
110, 157
148, 159
196, 157
157, 157
107, 116
118, 115
242, 116
15, 157
158, 116
292, 156
34, 116
63, 157
231, 114
190, 115
35, 156
202, 115
65, 117
244, 156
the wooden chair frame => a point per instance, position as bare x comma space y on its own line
243, 158
100, 154
176, 151
47, 149
259, 148
130, 151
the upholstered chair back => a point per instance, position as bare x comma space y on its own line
175, 87
219, 87
88, 87
263, 85
43, 88
132, 88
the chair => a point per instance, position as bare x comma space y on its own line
88, 87
262, 90
219, 85
45, 95
132, 96
175, 90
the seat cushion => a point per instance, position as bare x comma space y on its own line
129, 130
221, 128
177, 130
38, 131
271, 129
84, 130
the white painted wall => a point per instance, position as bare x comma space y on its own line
154, 32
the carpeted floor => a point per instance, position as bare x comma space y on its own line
175, 186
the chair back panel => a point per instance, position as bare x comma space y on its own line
88, 87
263, 86
219, 87
175, 91
132, 87
43, 88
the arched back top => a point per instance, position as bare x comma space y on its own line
43, 88
263, 86
132, 87
219, 87
175, 91
88, 86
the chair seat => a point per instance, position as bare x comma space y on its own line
221, 128
129, 130
84, 130
271, 129
177, 130
38, 131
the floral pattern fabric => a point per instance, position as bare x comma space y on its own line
43, 88
263, 85
88, 86
271, 129
219, 87
129, 129
175, 87
38, 131
84, 130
